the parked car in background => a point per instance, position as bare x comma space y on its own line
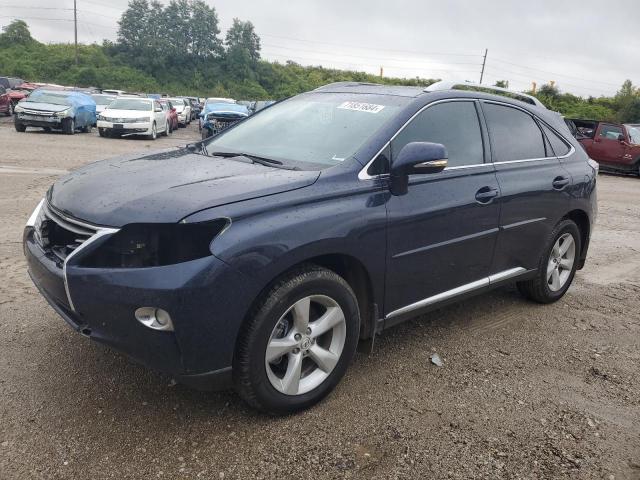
260, 104
616, 147
220, 116
113, 92
10, 82
5, 101
127, 116
195, 106
102, 101
172, 115
183, 109
260, 257
207, 107
56, 109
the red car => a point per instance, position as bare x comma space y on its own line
5, 101
172, 115
614, 146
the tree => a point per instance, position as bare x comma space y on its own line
16, 33
242, 35
502, 84
204, 31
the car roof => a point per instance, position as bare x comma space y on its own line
371, 88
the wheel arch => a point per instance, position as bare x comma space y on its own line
581, 219
354, 273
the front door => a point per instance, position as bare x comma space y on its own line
608, 144
441, 234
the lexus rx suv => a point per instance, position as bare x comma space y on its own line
259, 258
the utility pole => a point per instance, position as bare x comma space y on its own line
75, 28
381, 72
484, 62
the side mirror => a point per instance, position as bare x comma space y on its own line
201, 115
416, 158
173, 109
621, 138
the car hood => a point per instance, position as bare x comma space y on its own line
45, 107
112, 112
166, 186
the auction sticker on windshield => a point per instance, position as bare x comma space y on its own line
361, 107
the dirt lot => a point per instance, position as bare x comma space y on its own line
526, 391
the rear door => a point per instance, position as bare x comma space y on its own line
533, 183
608, 147
442, 233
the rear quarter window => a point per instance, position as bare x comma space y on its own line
515, 135
559, 146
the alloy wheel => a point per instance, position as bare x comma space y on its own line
561, 262
305, 345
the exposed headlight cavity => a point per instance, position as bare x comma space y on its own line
142, 245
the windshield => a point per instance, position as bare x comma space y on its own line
634, 133
130, 104
178, 103
103, 99
319, 128
50, 97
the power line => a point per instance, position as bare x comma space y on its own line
370, 48
552, 73
333, 54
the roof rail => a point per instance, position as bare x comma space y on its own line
451, 85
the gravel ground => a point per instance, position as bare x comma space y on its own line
526, 391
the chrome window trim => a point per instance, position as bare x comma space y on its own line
454, 292
363, 175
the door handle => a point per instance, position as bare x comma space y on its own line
560, 182
486, 194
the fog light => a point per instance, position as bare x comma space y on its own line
154, 318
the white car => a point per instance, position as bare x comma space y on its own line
102, 101
183, 109
133, 116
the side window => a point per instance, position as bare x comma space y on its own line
157, 106
453, 124
559, 146
514, 134
610, 132
2, 90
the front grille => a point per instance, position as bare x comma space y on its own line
43, 113
58, 234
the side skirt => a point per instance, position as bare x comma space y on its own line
456, 294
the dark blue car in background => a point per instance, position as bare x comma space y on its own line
260, 257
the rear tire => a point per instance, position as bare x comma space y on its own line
69, 126
311, 363
557, 265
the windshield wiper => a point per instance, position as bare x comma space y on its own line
193, 147
268, 162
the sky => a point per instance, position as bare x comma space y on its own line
587, 47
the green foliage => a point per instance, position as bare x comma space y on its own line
177, 49
16, 33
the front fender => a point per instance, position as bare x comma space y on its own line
269, 235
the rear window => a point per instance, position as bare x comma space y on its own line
514, 134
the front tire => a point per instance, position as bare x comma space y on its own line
19, 126
297, 341
69, 126
556, 267
154, 132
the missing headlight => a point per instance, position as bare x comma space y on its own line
155, 244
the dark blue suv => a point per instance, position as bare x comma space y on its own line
261, 257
